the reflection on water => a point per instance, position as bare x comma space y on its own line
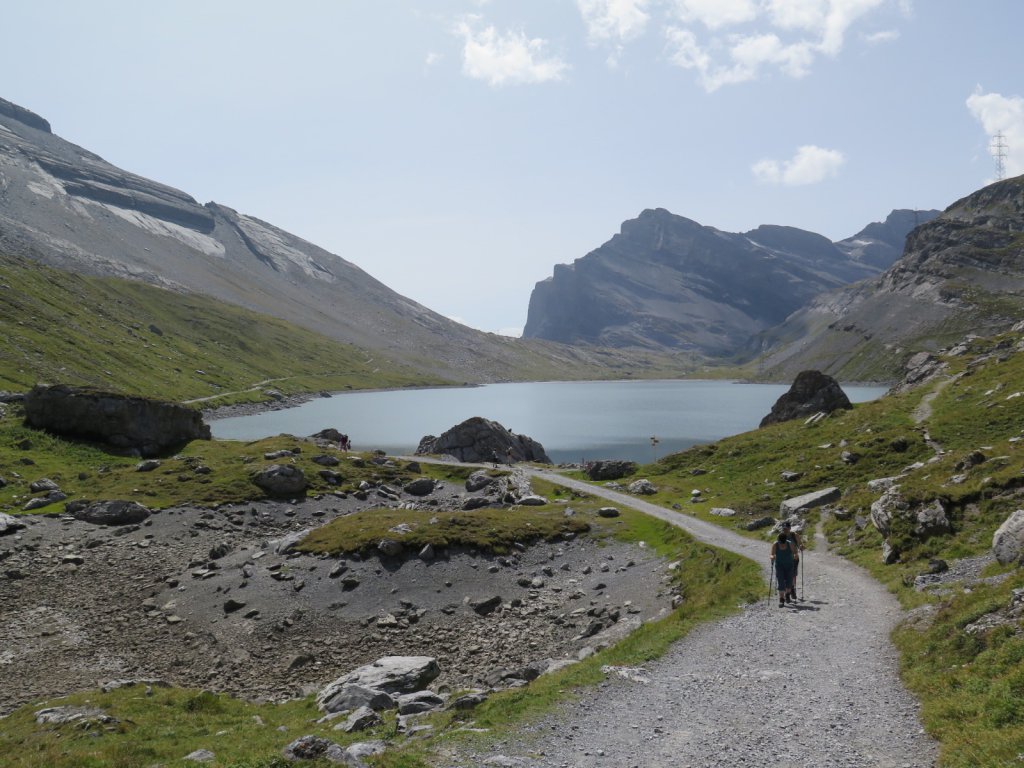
574, 421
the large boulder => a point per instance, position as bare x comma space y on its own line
610, 470
812, 392
901, 522
112, 513
312, 747
1008, 541
808, 501
9, 524
391, 674
149, 427
479, 439
280, 480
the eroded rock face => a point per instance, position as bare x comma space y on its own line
479, 439
150, 427
812, 392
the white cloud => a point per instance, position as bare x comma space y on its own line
841, 16
797, 14
715, 13
810, 165
884, 36
1005, 115
747, 55
506, 58
433, 58
614, 20
793, 33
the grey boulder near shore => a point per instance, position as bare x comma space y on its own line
812, 392
479, 439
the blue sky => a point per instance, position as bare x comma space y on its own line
458, 149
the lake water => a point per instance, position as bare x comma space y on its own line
574, 421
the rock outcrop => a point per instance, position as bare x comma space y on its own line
479, 439
139, 424
812, 392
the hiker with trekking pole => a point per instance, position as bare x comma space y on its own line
798, 544
783, 557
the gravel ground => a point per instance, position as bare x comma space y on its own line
811, 685
82, 604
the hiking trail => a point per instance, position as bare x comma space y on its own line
815, 685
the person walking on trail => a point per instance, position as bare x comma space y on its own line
784, 559
797, 542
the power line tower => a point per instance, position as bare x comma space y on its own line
998, 147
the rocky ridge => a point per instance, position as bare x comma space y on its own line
667, 282
962, 272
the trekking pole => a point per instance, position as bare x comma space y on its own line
803, 569
771, 578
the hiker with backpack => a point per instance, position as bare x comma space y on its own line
784, 556
797, 542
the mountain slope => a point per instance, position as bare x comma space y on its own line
666, 282
67, 207
962, 272
127, 336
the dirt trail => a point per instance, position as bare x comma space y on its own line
812, 685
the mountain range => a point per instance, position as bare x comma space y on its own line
666, 281
66, 207
664, 297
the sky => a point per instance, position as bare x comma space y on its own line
457, 150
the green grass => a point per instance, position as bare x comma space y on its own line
202, 473
971, 686
160, 729
486, 529
125, 336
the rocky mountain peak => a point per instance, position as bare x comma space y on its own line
24, 116
668, 282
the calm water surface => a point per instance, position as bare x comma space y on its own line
573, 420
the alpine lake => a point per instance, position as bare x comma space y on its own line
575, 421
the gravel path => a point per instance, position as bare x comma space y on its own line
812, 685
